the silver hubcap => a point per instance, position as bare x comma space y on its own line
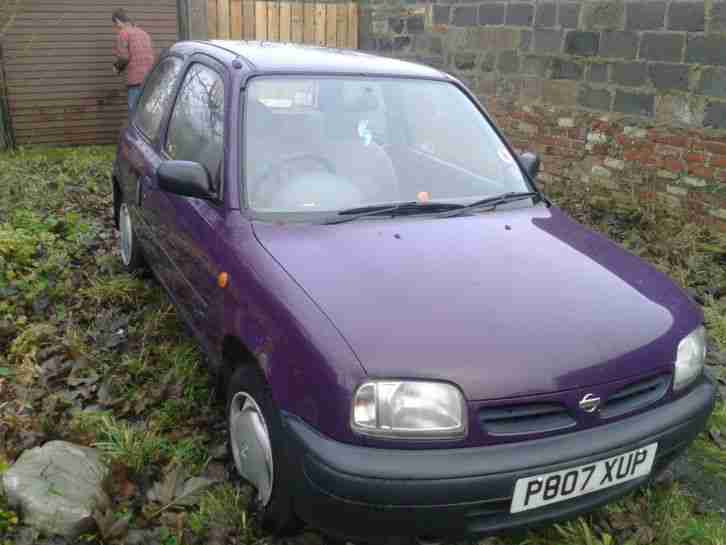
250, 443
127, 235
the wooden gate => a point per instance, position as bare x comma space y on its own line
57, 60
321, 23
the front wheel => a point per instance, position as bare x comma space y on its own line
257, 445
130, 250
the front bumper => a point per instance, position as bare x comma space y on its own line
360, 492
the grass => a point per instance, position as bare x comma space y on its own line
135, 446
57, 247
226, 507
119, 290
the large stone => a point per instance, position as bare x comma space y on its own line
713, 82
56, 487
631, 74
688, 16
644, 15
548, 41
662, 47
519, 14
634, 103
596, 99
604, 15
569, 15
706, 50
718, 17
441, 15
619, 44
465, 16
566, 69
669, 76
598, 73
715, 115
582, 43
491, 14
546, 13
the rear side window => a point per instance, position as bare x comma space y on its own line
157, 94
196, 127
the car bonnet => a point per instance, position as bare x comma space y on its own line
503, 304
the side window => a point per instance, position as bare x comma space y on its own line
156, 97
196, 127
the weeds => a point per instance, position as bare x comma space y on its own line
134, 445
116, 290
225, 507
63, 291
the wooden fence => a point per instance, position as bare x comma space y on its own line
321, 23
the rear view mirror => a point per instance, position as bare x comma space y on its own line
185, 178
531, 163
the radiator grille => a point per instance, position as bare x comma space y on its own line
525, 418
635, 396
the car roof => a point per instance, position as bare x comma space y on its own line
276, 57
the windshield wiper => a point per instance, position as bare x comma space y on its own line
492, 202
400, 209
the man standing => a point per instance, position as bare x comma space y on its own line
134, 53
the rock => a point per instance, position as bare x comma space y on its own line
218, 535
26, 536
30, 439
49, 351
216, 471
7, 332
57, 487
53, 369
716, 358
193, 490
140, 537
219, 452
717, 437
41, 304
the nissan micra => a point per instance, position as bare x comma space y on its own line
413, 340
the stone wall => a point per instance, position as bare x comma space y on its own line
628, 97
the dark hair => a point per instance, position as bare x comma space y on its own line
119, 16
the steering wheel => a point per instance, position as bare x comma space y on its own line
265, 193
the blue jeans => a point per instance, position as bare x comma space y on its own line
134, 93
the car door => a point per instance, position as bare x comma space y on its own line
188, 226
139, 154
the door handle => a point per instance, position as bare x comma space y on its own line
140, 183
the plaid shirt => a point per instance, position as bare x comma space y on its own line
134, 45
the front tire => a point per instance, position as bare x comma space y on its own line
259, 450
131, 255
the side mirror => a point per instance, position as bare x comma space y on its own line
531, 163
185, 178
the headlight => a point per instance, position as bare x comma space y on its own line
409, 410
689, 361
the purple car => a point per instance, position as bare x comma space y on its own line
412, 339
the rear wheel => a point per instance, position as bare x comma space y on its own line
257, 446
130, 250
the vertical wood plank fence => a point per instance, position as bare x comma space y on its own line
321, 23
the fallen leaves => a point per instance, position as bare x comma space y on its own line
176, 489
110, 527
717, 437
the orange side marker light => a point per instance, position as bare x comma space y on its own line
223, 280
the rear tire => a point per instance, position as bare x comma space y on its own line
257, 445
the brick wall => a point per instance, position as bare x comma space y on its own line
626, 97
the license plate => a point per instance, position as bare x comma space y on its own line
540, 490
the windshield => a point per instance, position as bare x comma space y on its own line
319, 145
